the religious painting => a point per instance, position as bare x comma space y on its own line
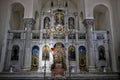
59, 64
71, 53
101, 51
46, 23
59, 53
35, 58
15, 53
71, 23
45, 52
59, 18
82, 58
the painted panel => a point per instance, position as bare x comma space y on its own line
45, 52
82, 58
101, 50
72, 53
46, 23
35, 58
71, 23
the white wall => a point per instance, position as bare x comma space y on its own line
116, 29
3, 28
72, 7
36, 7
118, 26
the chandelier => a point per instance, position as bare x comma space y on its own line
58, 30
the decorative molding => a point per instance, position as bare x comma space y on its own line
88, 22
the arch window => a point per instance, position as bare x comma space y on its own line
17, 14
102, 18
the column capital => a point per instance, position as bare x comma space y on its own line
88, 22
29, 22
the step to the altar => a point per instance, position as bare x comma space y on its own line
74, 76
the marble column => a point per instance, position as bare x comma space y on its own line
88, 23
28, 24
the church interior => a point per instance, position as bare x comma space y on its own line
59, 40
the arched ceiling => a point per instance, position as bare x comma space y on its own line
100, 9
17, 7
